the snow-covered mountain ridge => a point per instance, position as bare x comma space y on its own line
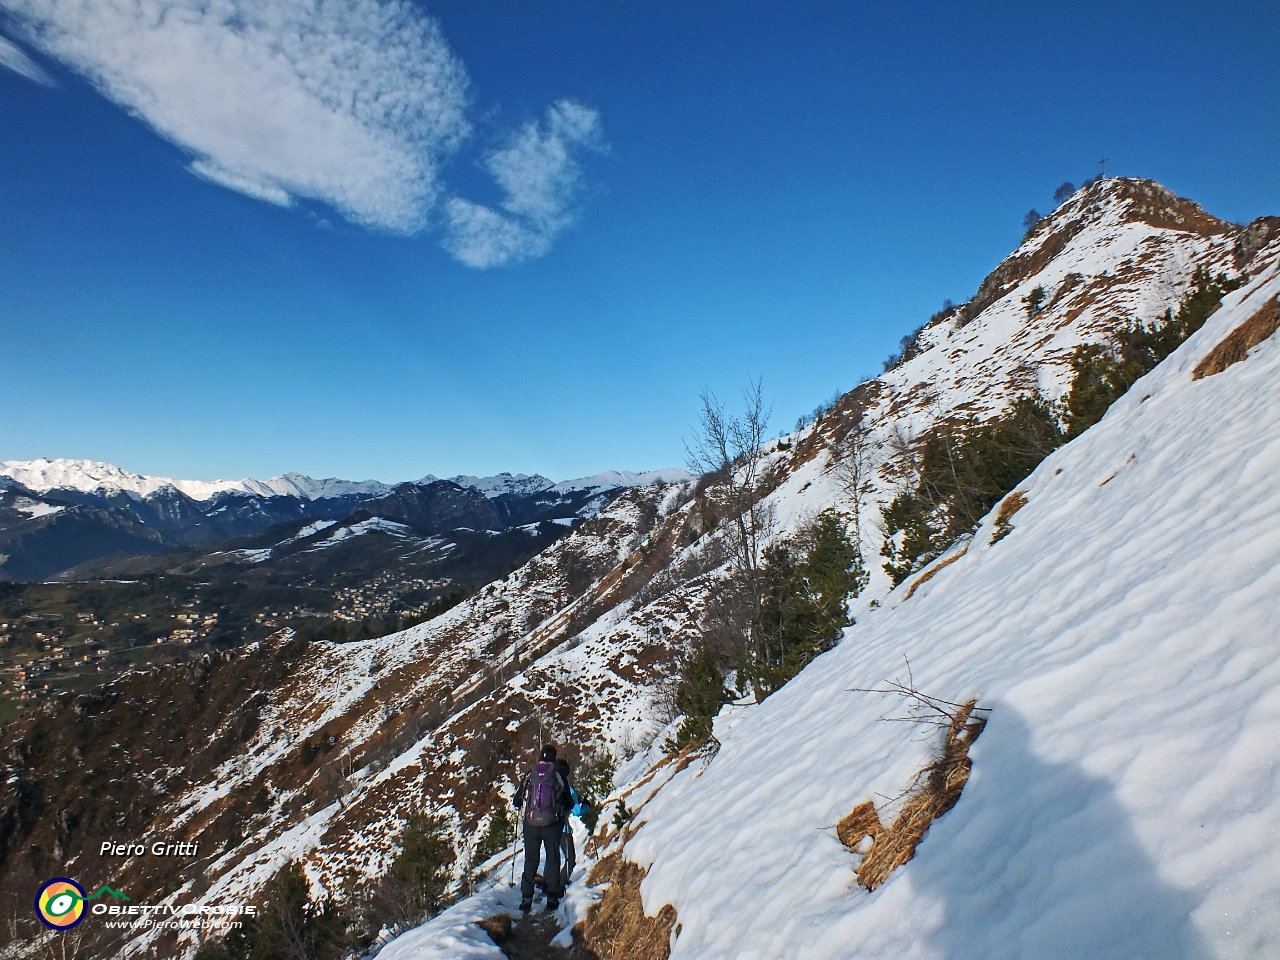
93, 476
1047, 626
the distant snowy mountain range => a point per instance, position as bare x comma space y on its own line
58, 514
94, 476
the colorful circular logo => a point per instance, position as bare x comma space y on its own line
60, 903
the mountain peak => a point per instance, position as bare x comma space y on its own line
520, 484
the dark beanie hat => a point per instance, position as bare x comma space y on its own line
548, 752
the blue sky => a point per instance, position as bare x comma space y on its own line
526, 236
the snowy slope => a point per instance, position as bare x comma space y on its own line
1125, 799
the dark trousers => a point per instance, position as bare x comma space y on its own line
570, 857
536, 838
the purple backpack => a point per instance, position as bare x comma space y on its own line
544, 796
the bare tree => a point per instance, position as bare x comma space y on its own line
731, 450
852, 468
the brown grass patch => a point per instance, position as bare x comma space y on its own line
1237, 344
615, 927
862, 822
498, 927
1008, 507
937, 789
933, 572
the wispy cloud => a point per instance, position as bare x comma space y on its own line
356, 103
352, 102
11, 56
540, 175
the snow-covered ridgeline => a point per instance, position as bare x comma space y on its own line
93, 476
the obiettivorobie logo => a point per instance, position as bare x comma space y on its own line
60, 902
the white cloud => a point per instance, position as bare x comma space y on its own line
540, 176
352, 102
17, 61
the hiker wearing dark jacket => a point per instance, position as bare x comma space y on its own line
542, 794
569, 856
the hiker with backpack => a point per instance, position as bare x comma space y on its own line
543, 794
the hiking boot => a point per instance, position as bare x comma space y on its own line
526, 906
552, 903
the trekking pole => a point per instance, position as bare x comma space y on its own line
514, 841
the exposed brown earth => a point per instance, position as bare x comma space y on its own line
1236, 345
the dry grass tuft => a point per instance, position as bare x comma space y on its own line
933, 572
862, 822
615, 927
937, 789
498, 927
1236, 345
1008, 507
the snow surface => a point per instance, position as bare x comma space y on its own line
308, 530
34, 508
454, 935
372, 525
615, 479
1125, 797
251, 555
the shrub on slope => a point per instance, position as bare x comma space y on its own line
1102, 373
962, 472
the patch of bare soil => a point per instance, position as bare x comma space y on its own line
1008, 507
1236, 345
529, 938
